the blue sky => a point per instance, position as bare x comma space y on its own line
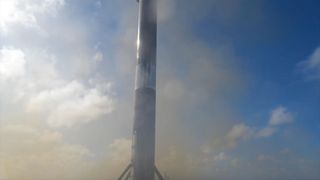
237, 89
270, 47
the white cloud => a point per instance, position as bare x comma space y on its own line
266, 132
237, 133
24, 12
280, 116
71, 104
314, 60
311, 66
12, 62
38, 86
240, 132
10, 13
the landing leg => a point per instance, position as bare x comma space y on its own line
158, 174
127, 173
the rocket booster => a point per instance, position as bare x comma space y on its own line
143, 148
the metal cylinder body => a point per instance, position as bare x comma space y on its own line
143, 149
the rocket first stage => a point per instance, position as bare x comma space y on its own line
143, 145
143, 149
